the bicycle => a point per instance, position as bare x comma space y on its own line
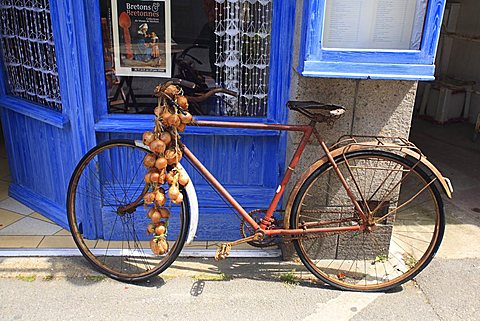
367, 216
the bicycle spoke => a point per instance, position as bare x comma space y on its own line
391, 250
110, 178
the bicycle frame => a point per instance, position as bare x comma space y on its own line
307, 131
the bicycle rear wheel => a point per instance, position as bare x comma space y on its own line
404, 203
108, 178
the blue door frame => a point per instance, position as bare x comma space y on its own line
84, 122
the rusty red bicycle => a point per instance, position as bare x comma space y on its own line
367, 216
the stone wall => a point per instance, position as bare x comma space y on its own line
373, 107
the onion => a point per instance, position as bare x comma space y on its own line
182, 101
187, 118
150, 212
155, 178
148, 138
178, 200
182, 127
160, 199
147, 178
183, 179
156, 218
161, 163
159, 110
173, 192
174, 120
166, 137
163, 245
172, 91
160, 229
149, 160
165, 213
158, 147
170, 177
173, 156
150, 228
149, 198
155, 247
165, 116
162, 178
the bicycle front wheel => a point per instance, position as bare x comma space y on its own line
108, 179
404, 204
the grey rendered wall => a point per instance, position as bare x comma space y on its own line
373, 108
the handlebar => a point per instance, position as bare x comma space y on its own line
201, 96
183, 83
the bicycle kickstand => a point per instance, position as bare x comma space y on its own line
224, 249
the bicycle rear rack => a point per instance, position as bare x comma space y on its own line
395, 143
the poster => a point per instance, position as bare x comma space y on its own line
142, 38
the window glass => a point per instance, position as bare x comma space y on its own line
214, 43
28, 49
374, 24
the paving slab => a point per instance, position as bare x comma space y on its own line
30, 226
452, 288
15, 206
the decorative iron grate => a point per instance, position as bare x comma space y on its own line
29, 51
243, 30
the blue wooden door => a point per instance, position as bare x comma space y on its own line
44, 97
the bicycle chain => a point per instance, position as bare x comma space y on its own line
288, 238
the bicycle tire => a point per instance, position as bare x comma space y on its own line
115, 244
404, 240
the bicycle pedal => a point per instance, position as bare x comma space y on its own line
223, 251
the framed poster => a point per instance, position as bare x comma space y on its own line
142, 38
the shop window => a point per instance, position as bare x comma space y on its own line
209, 42
28, 52
380, 39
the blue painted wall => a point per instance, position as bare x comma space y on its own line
44, 146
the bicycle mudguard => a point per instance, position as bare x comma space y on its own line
194, 212
192, 200
351, 145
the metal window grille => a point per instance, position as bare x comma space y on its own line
29, 51
243, 30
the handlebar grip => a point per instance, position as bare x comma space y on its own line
184, 83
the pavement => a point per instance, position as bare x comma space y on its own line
67, 288
236, 289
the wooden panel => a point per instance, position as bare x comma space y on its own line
241, 161
35, 111
39, 156
368, 70
140, 123
214, 224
